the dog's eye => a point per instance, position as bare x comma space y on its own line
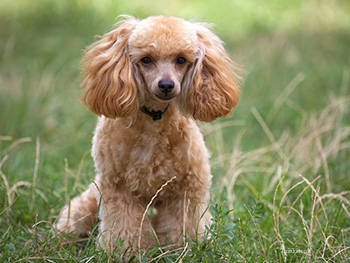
146, 61
181, 61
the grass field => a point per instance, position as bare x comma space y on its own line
281, 164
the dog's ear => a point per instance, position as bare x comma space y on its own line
109, 85
215, 85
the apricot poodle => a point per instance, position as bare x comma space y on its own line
149, 80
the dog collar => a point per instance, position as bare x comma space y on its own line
156, 115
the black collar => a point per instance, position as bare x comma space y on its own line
156, 115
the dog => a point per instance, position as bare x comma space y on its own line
149, 81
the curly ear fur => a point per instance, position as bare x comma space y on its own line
109, 85
215, 85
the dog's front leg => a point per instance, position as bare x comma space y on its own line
120, 219
181, 217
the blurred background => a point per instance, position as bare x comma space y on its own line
303, 44
292, 53
299, 49
295, 62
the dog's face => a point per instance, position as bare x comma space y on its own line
163, 76
157, 61
163, 49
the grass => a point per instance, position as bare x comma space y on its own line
281, 187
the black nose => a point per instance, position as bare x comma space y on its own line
166, 86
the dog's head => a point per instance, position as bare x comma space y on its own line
156, 61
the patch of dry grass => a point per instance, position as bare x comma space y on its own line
304, 180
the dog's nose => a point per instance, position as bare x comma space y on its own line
166, 86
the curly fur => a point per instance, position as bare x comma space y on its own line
134, 155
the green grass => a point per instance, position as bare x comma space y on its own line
281, 187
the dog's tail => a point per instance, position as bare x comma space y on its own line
80, 215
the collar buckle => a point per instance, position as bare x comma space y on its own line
156, 115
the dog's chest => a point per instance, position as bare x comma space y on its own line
152, 161
142, 161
